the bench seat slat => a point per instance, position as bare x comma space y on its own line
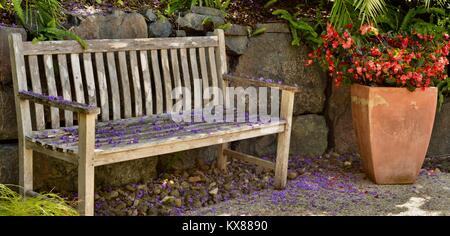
114, 136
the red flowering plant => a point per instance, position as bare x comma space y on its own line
366, 56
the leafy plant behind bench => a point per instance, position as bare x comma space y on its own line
300, 29
41, 18
50, 204
173, 6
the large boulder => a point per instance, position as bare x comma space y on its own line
208, 11
9, 164
8, 126
150, 15
180, 161
160, 28
440, 140
193, 22
118, 25
271, 55
51, 173
309, 135
340, 117
261, 146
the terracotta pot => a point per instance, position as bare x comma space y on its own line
393, 127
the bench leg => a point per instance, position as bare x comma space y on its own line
86, 164
222, 158
85, 190
25, 169
281, 165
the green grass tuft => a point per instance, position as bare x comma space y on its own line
49, 204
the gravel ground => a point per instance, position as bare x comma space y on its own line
334, 192
331, 184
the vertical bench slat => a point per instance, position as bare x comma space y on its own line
90, 82
114, 82
36, 86
103, 86
204, 70
167, 80
213, 68
197, 86
77, 80
221, 62
147, 83
157, 81
65, 85
175, 68
51, 86
136, 83
186, 77
125, 84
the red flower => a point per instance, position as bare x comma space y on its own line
375, 52
347, 43
335, 44
382, 59
405, 42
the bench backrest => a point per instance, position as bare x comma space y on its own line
125, 78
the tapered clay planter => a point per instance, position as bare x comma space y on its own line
393, 127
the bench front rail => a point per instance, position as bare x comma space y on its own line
112, 102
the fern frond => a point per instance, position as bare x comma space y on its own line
341, 13
369, 10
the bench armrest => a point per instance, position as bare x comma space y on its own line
259, 83
58, 102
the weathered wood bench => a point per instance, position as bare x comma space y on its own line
121, 93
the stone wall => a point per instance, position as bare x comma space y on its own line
322, 114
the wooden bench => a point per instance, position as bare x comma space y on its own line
110, 103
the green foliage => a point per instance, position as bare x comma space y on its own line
300, 29
380, 11
258, 31
173, 6
116, 2
13, 204
345, 11
444, 91
41, 18
225, 26
219, 4
270, 3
